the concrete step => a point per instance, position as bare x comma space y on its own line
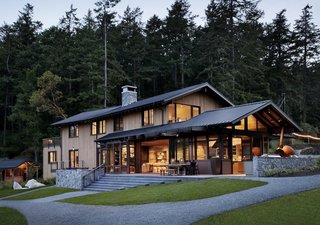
111, 182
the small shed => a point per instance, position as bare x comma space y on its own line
16, 169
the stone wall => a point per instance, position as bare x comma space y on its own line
261, 165
70, 178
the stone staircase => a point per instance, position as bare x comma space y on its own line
111, 182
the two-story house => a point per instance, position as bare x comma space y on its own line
192, 123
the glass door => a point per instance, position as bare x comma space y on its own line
74, 158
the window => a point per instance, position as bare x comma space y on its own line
102, 126
74, 158
98, 128
181, 112
73, 131
118, 123
147, 119
93, 128
52, 157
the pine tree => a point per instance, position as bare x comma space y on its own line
306, 43
179, 28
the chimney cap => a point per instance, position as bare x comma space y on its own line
128, 88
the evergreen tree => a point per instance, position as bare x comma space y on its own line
132, 52
179, 29
306, 43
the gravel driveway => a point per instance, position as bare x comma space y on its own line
46, 212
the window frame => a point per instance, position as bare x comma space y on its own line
73, 133
175, 111
76, 158
118, 123
101, 127
94, 128
54, 154
149, 112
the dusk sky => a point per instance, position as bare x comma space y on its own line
50, 12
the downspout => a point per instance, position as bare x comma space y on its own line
97, 150
60, 149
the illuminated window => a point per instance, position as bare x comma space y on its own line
252, 123
118, 123
52, 157
93, 128
147, 117
73, 158
102, 126
172, 113
241, 125
181, 112
73, 131
195, 111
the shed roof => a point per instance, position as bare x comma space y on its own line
224, 117
159, 99
12, 163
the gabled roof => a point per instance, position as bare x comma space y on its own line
169, 96
220, 117
156, 100
12, 163
232, 115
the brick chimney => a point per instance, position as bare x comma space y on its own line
129, 95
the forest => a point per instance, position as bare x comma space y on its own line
49, 74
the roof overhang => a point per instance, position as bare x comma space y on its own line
265, 111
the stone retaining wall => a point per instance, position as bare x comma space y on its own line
261, 165
70, 178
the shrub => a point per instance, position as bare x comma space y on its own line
51, 181
6, 185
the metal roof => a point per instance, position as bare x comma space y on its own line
169, 96
224, 116
159, 99
84, 116
12, 163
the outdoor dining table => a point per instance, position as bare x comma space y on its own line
181, 167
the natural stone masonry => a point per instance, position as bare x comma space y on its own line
70, 178
261, 165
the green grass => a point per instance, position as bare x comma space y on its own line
302, 208
173, 192
7, 192
42, 193
12, 217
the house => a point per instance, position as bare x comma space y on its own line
16, 169
193, 123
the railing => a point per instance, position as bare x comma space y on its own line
94, 175
65, 165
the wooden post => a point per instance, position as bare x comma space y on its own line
281, 137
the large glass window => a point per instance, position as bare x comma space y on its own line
182, 112
74, 158
52, 157
118, 123
213, 147
201, 148
102, 126
73, 131
147, 117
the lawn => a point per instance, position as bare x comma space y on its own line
12, 217
42, 193
302, 208
7, 192
172, 192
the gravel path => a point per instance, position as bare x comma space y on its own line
55, 213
